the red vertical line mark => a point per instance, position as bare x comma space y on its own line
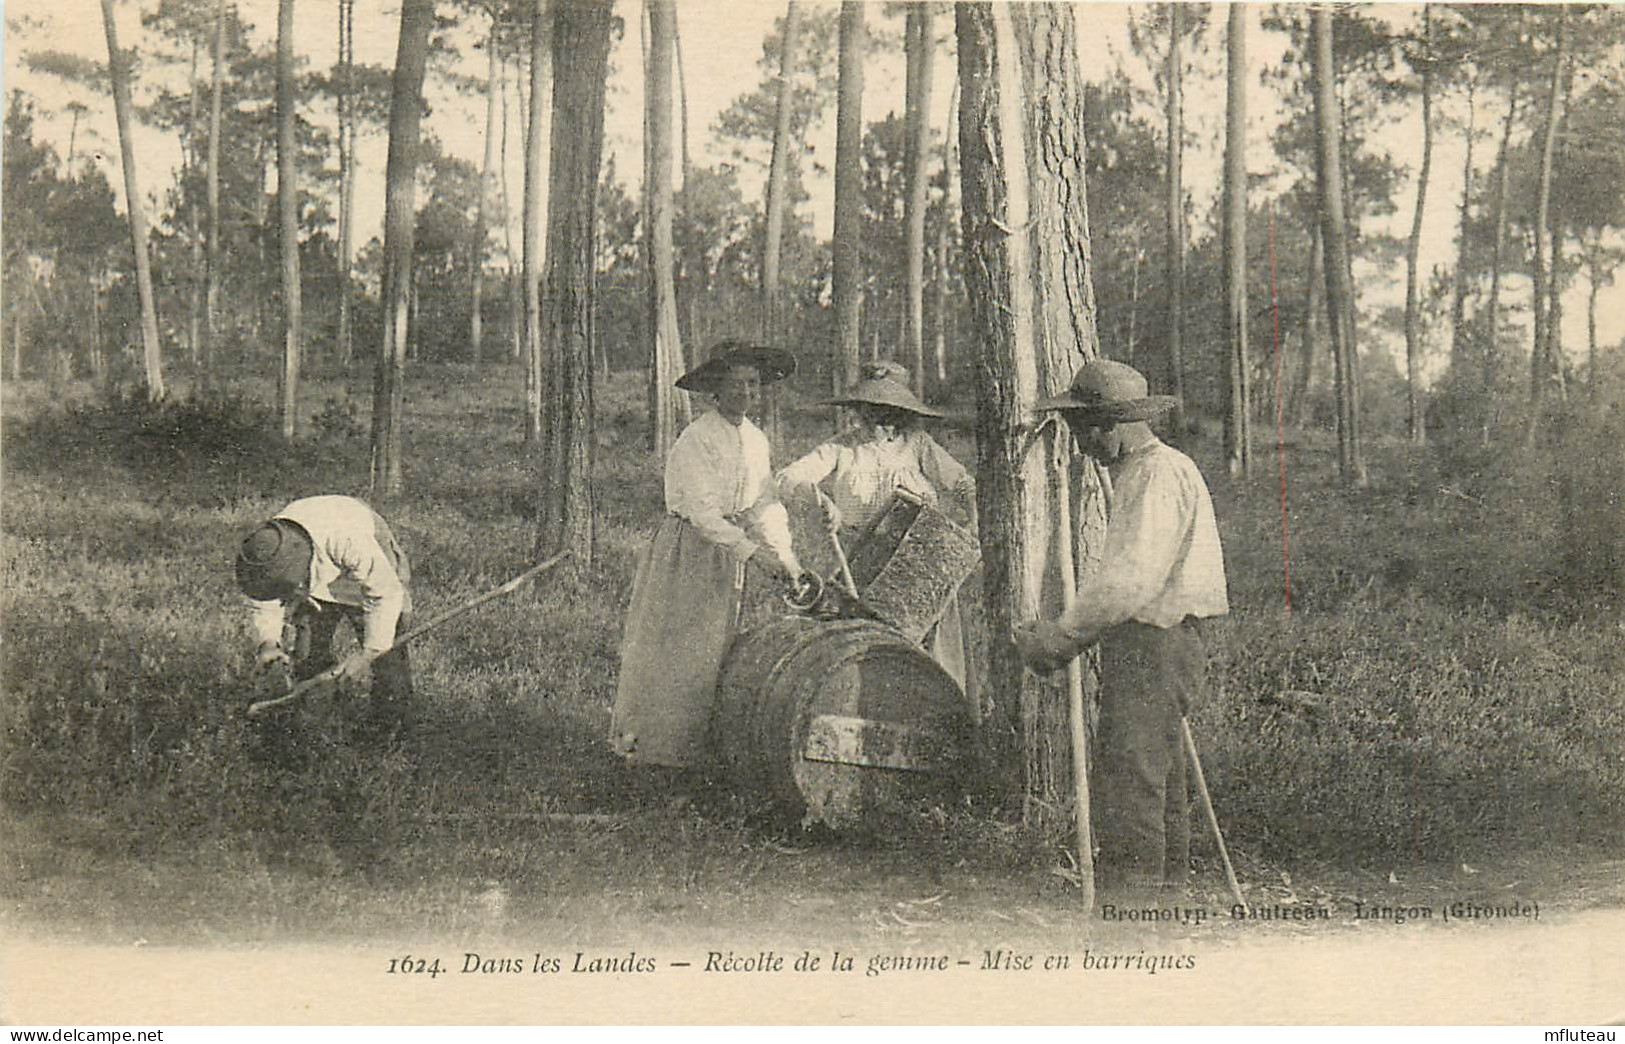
1416, 800
1280, 416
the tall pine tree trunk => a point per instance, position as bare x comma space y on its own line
75, 109
1594, 270
646, 224
1413, 251
1314, 308
777, 182
1542, 357
1458, 295
1238, 433
1554, 316
347, 132
287, 193
99, 363
516, 296
118, 70
1339, 288
778, 177
939, 295
917, 106
696, 281
194, 288
581, 40
1072, 500
476, 254
414, 327
665, 345
847, 276
682, 100
998, 277
538, 160
1492, 310
400, 227
1176, 213
1131, 343
211, 272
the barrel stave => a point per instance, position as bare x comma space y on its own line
859, 680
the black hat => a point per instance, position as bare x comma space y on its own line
774, 364
274, 561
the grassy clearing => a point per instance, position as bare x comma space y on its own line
1445, 684
1447, 692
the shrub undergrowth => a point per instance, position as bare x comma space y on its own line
1437, 687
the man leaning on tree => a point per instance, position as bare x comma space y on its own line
1162, 569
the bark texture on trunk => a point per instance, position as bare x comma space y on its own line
1413, 251
1309, 333
1067, 518
581, 41
939, 295
516, 296
211, 270
1176, 212
347, 136
847, 275
400, 228
777, 181
538, 160
1492, 310
998, 277
118, 70
476, 251
778, 178
287, 194
918, 129
1542, 355
1238, 428
665, 344
194, 289
1339, 288
1458, 294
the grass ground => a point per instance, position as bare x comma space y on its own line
1440, 712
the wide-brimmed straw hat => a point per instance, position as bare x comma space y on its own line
1110, 392
884, 384
274, 561
774, 364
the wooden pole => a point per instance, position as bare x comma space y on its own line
1074, 673
1207, 810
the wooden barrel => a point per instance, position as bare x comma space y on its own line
840, 722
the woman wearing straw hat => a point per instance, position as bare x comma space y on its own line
889, 450
722, 514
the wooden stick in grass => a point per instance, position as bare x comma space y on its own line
1207, 809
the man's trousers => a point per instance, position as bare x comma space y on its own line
1149, 677
388, 709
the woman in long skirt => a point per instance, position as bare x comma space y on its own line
722, 514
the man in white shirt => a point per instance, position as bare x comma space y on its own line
1161, 570
321, 560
